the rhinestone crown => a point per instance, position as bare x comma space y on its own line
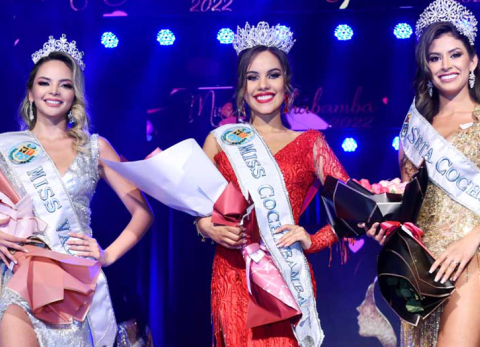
452, 12
61, 45
278, 36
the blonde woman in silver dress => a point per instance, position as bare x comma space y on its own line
447, 102
54, 116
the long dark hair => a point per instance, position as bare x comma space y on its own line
426, 105
244, 61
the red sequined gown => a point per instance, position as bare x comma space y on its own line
302, 161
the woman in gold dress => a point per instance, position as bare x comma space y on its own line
448, 97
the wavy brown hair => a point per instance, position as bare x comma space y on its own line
426, 105
245, 59
79, 130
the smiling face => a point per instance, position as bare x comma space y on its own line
265, 87
52, 91
450, 64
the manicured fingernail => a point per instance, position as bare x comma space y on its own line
436, 279
443, 281
454, 279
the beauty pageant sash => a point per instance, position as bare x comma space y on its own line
36, 172
260, 178
448, 168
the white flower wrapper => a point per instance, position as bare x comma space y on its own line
181, 177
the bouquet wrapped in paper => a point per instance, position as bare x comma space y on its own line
58, 287
181, 177
403, 274
349, 203
184, 178
404, 262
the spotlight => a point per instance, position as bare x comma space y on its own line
349, 145
109, 40
225, 36
343, 32
396, 143
403, 31
165, 37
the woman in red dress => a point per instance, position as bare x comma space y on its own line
264, 83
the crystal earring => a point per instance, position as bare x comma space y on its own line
243, 113
71, 120
430, 88
471, 79
31, 117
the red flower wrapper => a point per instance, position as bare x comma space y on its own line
270, 299
58, 287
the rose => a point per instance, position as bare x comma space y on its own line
394, 186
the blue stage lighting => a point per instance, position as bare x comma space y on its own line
225, 36
166, 37
349, 145
343, 32
403, 31
396, 143
109, 40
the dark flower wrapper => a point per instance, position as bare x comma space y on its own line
347, 204
403, 262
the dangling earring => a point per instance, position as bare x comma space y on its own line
71, 120
31, 117
430, 88
243, 115
471, 79
285, 109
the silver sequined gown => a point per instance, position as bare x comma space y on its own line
444, 221
80, 181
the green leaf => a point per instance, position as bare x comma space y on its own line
398, 292
414, 306
406, 293
392, 281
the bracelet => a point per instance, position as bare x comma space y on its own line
198, 229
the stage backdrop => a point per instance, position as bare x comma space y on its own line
142, 95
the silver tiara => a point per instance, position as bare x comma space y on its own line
452, 12
263, 35
61, 45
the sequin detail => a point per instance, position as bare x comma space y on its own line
80, 181
444, 221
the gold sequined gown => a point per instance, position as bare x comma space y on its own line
444, 221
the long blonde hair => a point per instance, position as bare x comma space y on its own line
79, 130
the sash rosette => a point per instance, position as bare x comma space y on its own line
270, 299
57, 287
184, 178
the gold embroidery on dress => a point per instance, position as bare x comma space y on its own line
444, 221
